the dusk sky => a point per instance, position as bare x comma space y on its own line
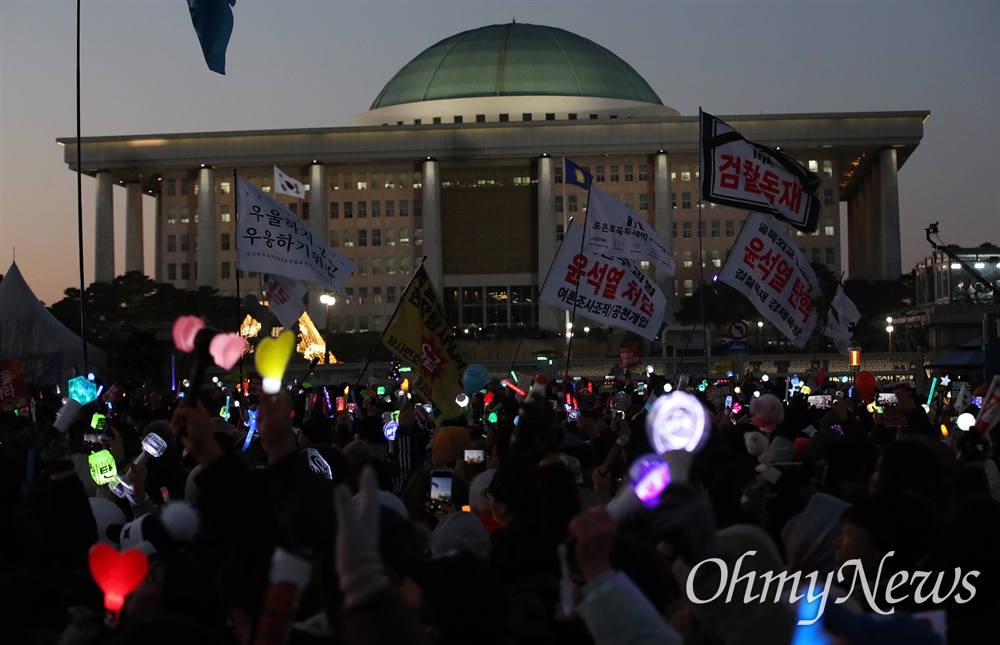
302, 64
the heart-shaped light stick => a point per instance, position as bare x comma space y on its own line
117, 574
271, 358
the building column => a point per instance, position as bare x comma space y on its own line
890, 257
319, 225
855, 238
134, 253
432, 224
159, 270
549, 317
208, 243
663, 226
104, 230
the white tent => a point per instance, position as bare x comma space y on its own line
48, 351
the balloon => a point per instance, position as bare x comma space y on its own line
474, 378
866, 384
117, 574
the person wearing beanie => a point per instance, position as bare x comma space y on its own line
448, 445
460, 532
766, 412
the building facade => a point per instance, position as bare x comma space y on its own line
459, 160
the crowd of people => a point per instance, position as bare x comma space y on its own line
286, 520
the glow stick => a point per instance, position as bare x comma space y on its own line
271, 359
930, 397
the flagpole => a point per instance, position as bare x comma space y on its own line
826, 322
576, 292
79, 196
701, 252
541, 288
236, 247
395, 311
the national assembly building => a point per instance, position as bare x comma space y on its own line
460, 159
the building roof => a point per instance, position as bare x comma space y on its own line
515, 60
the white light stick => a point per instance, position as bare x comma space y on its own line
648, 477
152, 446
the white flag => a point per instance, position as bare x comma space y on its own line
285, 299
608, 290
271, 239
841, 320
285, 185
766, 267
615, 230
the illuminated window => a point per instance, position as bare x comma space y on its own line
225, 187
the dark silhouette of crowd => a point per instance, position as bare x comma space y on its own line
319, 529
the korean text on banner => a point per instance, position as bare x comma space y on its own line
421, 338
285, 299
742, 174
13, 387
766, 267
271, 239
285, 185
608, 290
613, 229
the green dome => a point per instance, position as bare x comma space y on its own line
515, 60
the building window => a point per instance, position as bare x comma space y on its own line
480, 118
828, 168
687, 261
294, 208
828, 227
593, 117
418, 207
404, 208
628, 173
348, 210
185, 242
376, 237
550, 116
362, 323
362, 270
416, 121
390, 237
614, 174
362, 209
504, 118
185, 186
185, 215
390, 266
348, 184
390, 295
172, 215
305, 210
557, 175
171, 187
457, 119
335, 239
334, 181
716, 259
436, 120
418, 179
171, 243
376, 208
813, 165
815, 254
390, 181
630, 201
390, 208
559, 203
404, 237
560, 232
362, 237
185, 271
686, 230
572, 116
599, 174
716, 229
685, 200
730, 228
675, 230
701, 229
377, 295
224, 241
418, 237
572, 203
643, 176
171, 271
831, 258
526, 116
688, 287
225, 187
376, 266
828, 197
226, 270
643, 201
404, 266
334, 210
348, 239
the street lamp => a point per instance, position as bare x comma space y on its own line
760, 335
889, 329
327, 300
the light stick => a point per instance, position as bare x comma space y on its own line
117, 574
152, 446
251, 424
102, 467
271, 359
677, 422
648, 477
930, 397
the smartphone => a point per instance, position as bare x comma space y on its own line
729, 403
820, 401
440, 489
92, 438
885, 399
474, 456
